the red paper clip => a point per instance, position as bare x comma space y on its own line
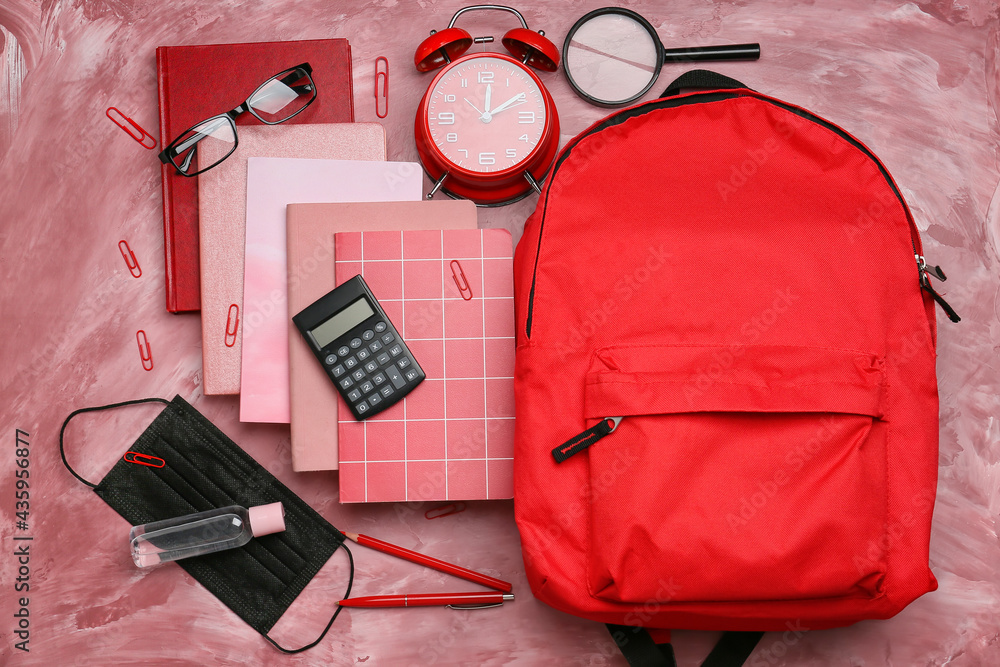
384, 75
463, 283
144, 459
444, 510
232, 324
132, 125
145, 353
130, 261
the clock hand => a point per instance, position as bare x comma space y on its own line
489, 94
519, 98
474, 107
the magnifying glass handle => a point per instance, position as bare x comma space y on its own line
726, 52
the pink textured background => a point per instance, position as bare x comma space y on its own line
918, 82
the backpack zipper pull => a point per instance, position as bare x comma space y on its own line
581, 441
925, 284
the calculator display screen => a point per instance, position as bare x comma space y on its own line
334, 327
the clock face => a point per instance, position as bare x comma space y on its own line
486, 115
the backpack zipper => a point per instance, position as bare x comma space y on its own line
923, 269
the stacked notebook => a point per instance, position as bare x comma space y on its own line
201, 81
450, 294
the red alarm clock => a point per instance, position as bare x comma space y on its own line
486, 129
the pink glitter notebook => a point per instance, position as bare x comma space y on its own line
450, 294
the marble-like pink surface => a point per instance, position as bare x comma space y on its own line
918, 82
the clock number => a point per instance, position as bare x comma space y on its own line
485, 77
446, 118
524, 137
449, 98
526, 117
487, 158
465, 83
512, 153
451, 137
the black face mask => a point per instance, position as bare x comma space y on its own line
203, 469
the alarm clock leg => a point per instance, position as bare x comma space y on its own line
437, 186
533, 182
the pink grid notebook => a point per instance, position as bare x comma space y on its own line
450, 294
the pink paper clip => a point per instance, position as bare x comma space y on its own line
131, 127
232, 324
144, 459
130, 261
444, 510
463, 283
145, 353
382, 92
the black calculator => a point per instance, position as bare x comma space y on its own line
361, 351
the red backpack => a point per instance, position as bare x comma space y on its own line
727, 411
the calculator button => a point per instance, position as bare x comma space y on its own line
374, 399
371, 367
375, 346
388, 338
358, 375
331, 359
344, 351
403, 363
378, 379
396, 378
380, 327
367, 386
346, 383
361, 407
354, 394
350, 363
363, 354
355, 343
338, 370
412, 374
396, 350
387, 391
368, 334
382, 359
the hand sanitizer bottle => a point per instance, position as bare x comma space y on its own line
203, 532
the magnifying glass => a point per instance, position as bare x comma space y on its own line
612, 56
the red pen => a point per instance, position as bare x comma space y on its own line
473, 600
440, 565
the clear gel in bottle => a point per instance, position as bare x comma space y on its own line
203, 533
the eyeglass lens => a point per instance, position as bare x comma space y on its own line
207, 143
282, 96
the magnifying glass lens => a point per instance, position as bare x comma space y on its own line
611, 58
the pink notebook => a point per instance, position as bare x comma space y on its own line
222, 201
273, 184
451, 296
311, 228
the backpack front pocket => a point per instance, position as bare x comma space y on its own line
737, 473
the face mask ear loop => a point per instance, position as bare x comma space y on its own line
347, 594
62, 449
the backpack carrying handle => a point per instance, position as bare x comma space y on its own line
702, 78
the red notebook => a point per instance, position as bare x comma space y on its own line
197, 82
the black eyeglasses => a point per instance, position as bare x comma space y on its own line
278, 99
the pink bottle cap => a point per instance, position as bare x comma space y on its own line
267, 519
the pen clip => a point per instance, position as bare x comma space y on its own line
471, 607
